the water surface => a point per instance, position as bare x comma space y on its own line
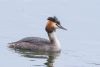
23, 18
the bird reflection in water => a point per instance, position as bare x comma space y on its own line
49, 56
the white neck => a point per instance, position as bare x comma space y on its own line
53, 39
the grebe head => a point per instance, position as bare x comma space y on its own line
53, 24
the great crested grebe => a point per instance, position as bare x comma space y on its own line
42, 44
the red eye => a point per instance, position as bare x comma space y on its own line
58, 25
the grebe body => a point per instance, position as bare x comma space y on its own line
42, 44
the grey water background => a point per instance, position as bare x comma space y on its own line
23, 18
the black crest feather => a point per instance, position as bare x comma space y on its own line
54, 19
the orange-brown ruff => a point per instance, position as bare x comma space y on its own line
41, 44
50, 26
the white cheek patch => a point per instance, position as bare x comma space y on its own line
55, 26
